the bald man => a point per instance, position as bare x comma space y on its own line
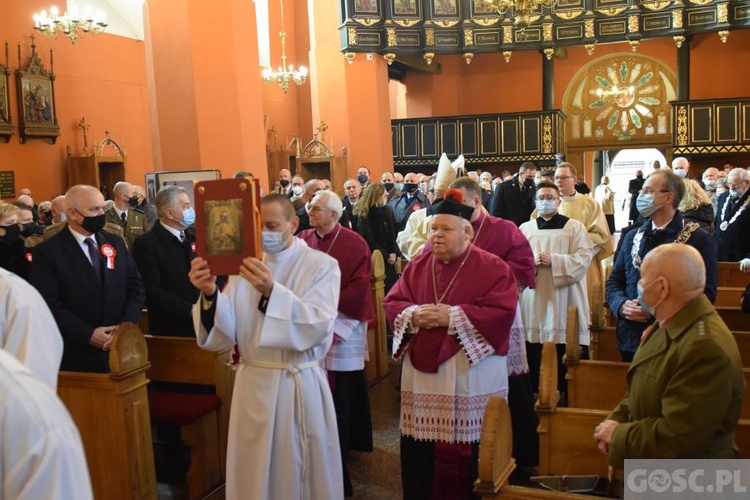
125, 213
285, 183
685, 384
88, 280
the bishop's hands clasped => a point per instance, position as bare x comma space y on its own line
258, 274
431, 316
201, 277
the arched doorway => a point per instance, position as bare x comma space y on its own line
622, 169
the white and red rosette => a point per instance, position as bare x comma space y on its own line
109, 253
192, 247
28, 257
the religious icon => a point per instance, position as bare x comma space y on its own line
224, 226
445, 7
365, 6
3, 99
405, 7
482, 7
37, 100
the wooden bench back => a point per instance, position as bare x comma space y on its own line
111, 413
377, 343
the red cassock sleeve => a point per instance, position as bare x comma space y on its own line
355, 263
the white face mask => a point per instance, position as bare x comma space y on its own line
273, 241
546, 207
680, 172
297, 190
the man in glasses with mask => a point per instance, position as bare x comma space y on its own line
280, 312
345, 360
88, 280
657, 202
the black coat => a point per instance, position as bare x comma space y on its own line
13, 257
79, 301
513, 201
379, 230
634, 187
734, 242
703, 215
164, 264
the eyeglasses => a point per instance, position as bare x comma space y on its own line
549, 197
563, 177
316, 209
652, 191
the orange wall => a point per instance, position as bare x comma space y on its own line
101, 78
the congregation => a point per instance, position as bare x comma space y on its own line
480, 273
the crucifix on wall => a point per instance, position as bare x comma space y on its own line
85, 127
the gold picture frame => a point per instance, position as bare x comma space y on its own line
35, 92
6, 118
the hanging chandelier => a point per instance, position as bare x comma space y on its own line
524, 11
73, 24
284, 75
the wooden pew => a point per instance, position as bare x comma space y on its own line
111, 413
179, 359
496, 463
377, 346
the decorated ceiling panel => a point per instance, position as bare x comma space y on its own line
393, 27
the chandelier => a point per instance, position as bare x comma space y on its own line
524, 11
284, 75
73, 23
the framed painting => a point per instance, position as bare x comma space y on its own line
482, 7
35, 91
405, 7
445, 8
365, 6
6, 122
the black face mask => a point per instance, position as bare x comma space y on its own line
388, 186
93, 224
284, 183
30, 229
528, 182
12, 232
639, 176
362, 178
133, 200
410, 187
47, 215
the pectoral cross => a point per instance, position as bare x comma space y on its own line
85, 126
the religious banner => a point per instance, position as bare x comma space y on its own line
227, 223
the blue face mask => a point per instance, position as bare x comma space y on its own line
649, 309
188, 217
400, 186
645, 204
63, 218
680, 172
546, 207
273, 241
362, 178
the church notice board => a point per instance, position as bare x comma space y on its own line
227, 223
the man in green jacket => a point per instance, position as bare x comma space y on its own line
685, 383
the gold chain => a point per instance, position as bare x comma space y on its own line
434, 280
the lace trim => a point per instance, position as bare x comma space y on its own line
401, 327
474, 344
556, 335
452, 419
518, 363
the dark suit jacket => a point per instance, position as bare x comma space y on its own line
164, 264
513, 201
734, 242
80, 302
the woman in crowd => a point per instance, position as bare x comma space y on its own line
12, 248
696, 207
376, 224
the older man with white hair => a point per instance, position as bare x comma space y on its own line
681, 168
733, 220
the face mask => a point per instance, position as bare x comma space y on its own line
388, 186
720, 190
645, 204
12, 232
29, 229
63, 217
273, 241
47, 215
400, 186
680, 172
284, 183
537, 182
709, 184
133, 200
188, 217
410, 187
649, 309
736, 193
546, 207
640, 176
423, 187
297, 190
362, 178
93, 224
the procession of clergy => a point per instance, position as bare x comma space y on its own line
490, 276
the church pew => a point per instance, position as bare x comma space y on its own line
377, 346
179, 359
112, 414
730, 276
735, 319
496, 463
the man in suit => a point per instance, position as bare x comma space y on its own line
353, 190
311, 187
513, 200
285, 180
634, 187
685, 384
733, 220
389, 183
681, 168
88, 280
124, 214
163, 257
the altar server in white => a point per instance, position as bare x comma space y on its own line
41, 455
563, 251
27, 329
280, 312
